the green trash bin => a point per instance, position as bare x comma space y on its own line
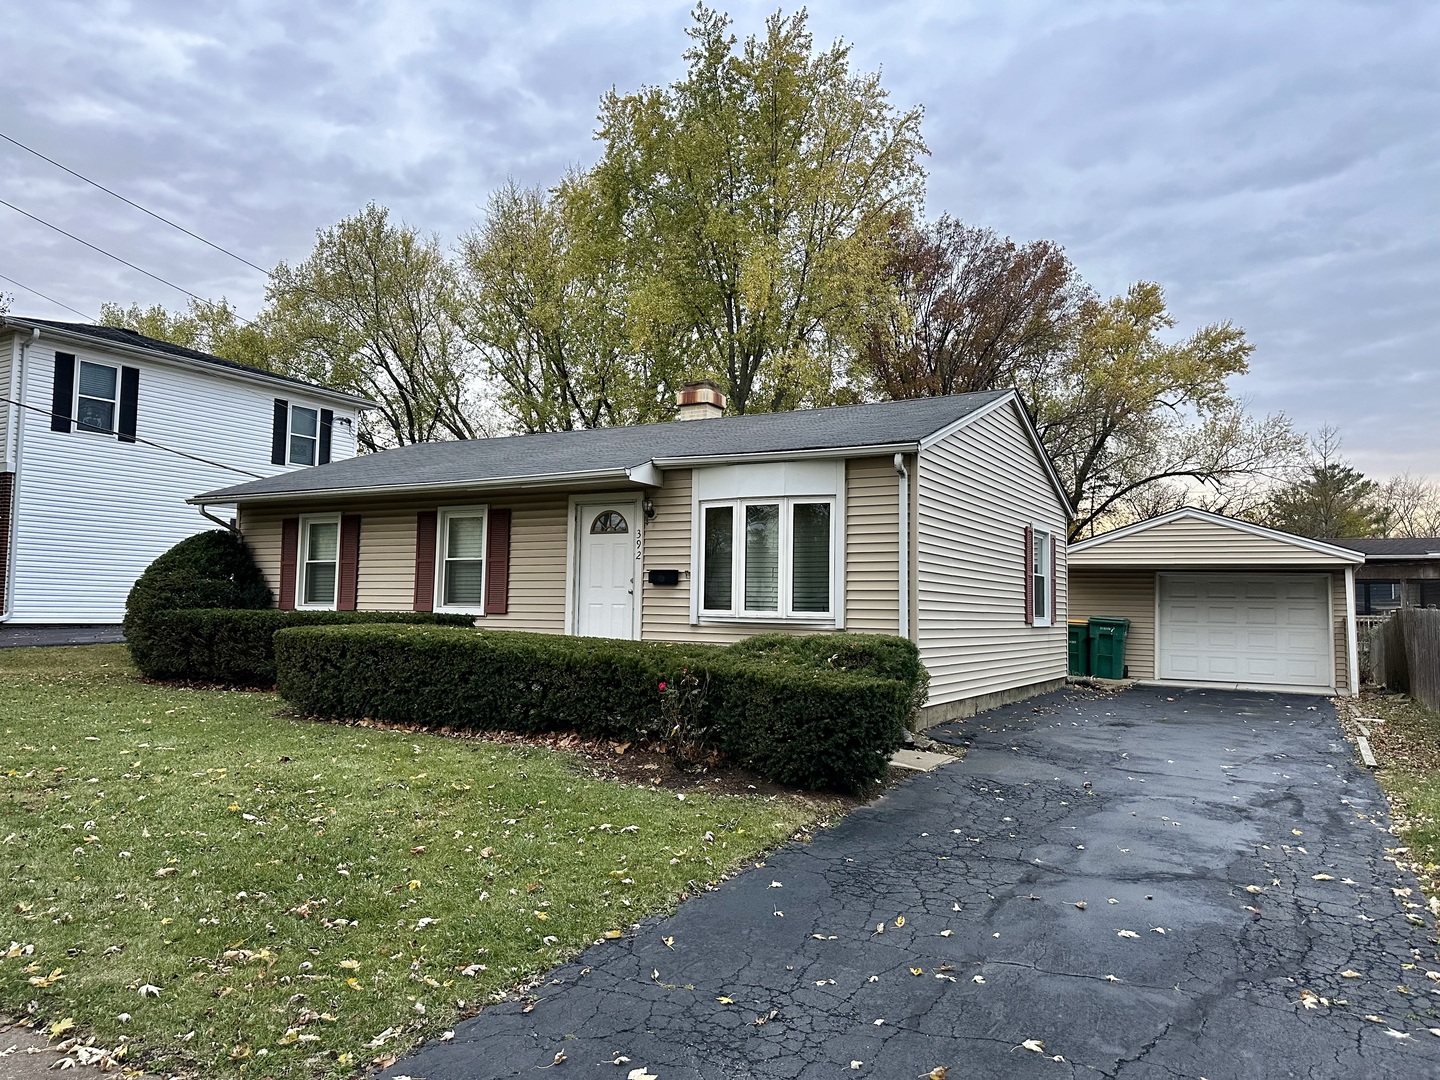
1079, 648
1107, 646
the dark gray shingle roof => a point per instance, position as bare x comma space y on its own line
527, 457
115, 335
1392, 547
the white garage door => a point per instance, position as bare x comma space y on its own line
1246, 629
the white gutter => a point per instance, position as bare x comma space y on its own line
904, 545
16, 428
1352, 647
635, 474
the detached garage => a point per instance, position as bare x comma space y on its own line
1217, 602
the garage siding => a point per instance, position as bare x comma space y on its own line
978, 489
1192, 543
1126, 594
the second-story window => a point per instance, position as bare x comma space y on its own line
96, 395
304, 435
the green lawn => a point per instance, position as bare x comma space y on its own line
306, 897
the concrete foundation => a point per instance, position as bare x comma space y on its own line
958, 710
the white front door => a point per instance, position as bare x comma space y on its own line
1246, 629
605, 600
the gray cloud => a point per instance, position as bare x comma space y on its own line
1277, 165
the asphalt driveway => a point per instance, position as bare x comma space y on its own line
1232, 865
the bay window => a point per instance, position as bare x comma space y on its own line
768, 558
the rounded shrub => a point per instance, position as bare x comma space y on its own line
208, 570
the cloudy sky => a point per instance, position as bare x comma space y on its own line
1276, 164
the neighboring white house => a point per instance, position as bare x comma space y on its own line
105, 433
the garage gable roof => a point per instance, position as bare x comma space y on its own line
1190, 537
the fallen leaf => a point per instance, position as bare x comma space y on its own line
1350, 974
917, 971
946, 933
559, 1060
725, 1000
1127, 933
1322, 877
1081, 904
856, 1064
1253, 889
149, 990
979, 979
641, 1074
940, 1072
1034, 1044
1375, 1019
899, 921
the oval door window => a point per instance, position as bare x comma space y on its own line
609, 521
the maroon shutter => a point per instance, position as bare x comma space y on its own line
289, 558
425, 560
1029, 560
348, 592
1054, 582
497, 563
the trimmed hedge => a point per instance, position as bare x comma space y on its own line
236, 646
777, 712
214, 569
882, 655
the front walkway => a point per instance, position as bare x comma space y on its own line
1156, 884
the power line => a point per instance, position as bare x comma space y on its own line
145, 442
117, 258
57, 303
131, 202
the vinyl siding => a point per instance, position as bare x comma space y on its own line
93, 512
1131, 594
977, 490
872, 546
387, 556
1126, 594
1193, 543
1342, 646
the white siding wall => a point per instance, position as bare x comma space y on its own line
92, 512
977, 490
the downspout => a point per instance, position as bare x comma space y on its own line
1352, 647
16, 425
228, 526
904, 619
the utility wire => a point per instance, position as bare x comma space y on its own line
117, 258
131, 202
147, 442
57, 303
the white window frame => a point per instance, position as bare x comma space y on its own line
442, 537
1040, 534
302, 560
114, 402
291, 435
784, 611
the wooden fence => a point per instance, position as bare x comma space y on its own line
1405, 654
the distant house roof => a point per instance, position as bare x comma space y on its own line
116, 337
1392, 548
629, 454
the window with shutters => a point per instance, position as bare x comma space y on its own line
304, 435
768, 559
1040, 564
319, 562
97, 393
460, 560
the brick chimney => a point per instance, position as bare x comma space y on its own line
700, 401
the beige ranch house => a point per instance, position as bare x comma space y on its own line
1223, 603
941, 520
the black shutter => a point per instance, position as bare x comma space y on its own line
279, 432
129, 402
327, 421
62, 400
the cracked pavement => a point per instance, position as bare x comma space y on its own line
1156, 808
